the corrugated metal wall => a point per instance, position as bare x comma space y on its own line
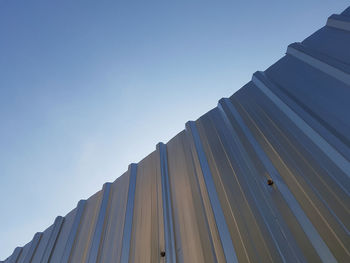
263, 177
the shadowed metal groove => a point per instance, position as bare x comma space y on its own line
33, 247
125, 253
96, 242
53, 238
226, 241
262, 177
73, 232
167, 208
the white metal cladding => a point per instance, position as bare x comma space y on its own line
263, 177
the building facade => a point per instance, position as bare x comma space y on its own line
263, 177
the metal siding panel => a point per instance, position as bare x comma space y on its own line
145, 232
53, 239
33, 247
314, 178
330, 42
24, 252
169, 236
112, 242
129, 213
327, 65
309, 229
83, 239
42, 245
15, 255
209, 220
270, 119
193, 243
232, 200
278, 201
100, 224
301, 80
314, 120
250, 176
73, 231
242, 169
339, 22
313, 205
333, 154
221, 224
63, 238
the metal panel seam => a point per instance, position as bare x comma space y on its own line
52, 240
167, 206
125, 253
224, 233
96, 241
73, 232
33, 247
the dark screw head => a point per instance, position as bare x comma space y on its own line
162, 254
269, 182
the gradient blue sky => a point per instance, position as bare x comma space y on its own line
88, 87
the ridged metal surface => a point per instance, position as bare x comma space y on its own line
263, 177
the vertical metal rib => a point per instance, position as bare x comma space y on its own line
170, 256
16, 254
339, 22
331, 67
98, 235
73, 232
129, 215
314, 237
33, 247
221, 224
53, 238
321, 143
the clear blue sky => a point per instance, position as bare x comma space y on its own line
86, 87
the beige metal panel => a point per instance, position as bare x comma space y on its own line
160, 246
145, 233
86, 229
218, 252
193, 243
112, 241
63, 236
